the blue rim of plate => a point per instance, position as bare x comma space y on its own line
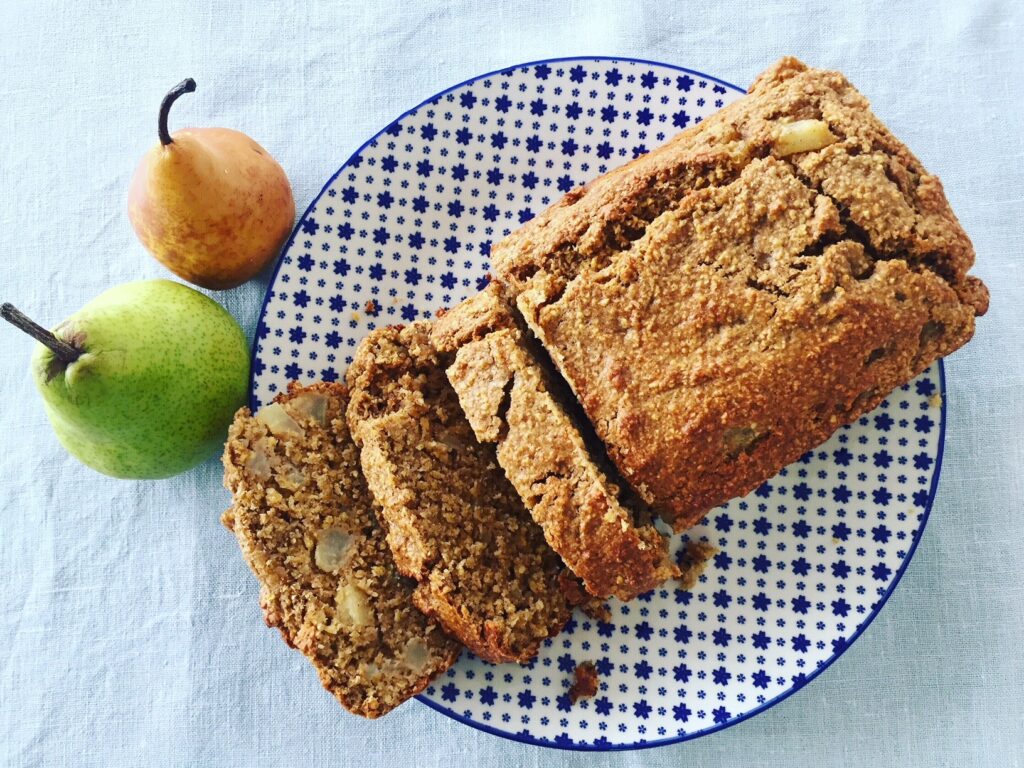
932, 489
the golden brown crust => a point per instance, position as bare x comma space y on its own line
720, 306
477, 316
305, 523
510, 402
454, 522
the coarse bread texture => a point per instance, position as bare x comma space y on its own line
511, 402
722, 304
455, 524
305, 522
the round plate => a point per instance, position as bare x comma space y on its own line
803, 564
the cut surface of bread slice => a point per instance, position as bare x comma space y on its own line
511, 401
454, 522
305, 522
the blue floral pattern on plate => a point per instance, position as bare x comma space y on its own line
803, 563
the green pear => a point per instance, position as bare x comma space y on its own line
143, 381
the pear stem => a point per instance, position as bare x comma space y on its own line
66, 353
188, 85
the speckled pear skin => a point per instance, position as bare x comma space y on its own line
213, 206
164, 370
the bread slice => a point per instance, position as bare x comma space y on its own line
306, 525
454, 522
510, 401
722, 304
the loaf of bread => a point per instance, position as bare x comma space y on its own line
722, 304
454, 522
306, 525
511, 402
717, 307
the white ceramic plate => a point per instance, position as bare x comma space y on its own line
804, 563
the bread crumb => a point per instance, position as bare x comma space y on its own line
371, 307
584, 683
597, 609
935, 401
692, 562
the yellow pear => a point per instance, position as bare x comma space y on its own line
210, 203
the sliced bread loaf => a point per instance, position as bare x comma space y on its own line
305, 522
454, 522
511, 401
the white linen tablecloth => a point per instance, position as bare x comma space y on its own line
129, 627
